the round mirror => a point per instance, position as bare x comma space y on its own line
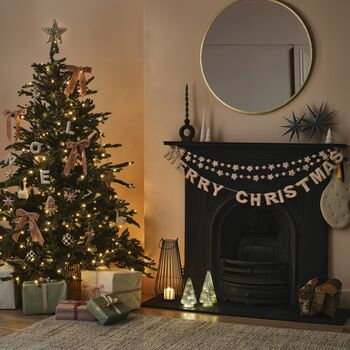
256, 56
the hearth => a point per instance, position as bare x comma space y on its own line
259, 256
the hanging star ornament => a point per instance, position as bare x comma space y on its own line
54, 33
318, 122
8, 202
295, 126
71, 197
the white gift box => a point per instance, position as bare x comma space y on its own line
8, 288
126, 283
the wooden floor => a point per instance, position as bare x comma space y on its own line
13, 320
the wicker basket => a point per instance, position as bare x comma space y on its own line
74, 283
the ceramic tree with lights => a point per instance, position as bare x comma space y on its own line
58, 206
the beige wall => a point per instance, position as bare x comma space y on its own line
173, 33
99, 35
108, 35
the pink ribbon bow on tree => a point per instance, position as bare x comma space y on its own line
89, 234
75, 148
31, 219
78, 74
17, 116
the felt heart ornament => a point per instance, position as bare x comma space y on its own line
335, 200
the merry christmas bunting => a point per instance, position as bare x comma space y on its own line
322, 165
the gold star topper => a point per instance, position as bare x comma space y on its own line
54, 33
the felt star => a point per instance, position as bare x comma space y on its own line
54, 33
215, 163
286, 165
8, 202
256, 177
188, 158
270, 177
271, 167
323, 155
201, 159
306, 167
200, 165
249, 168
234, 176
220, 172
235, 167
182, 151
71, 197
291, 172
9, 172
307, 159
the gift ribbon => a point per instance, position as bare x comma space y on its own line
44, 297
111, 302
31, 219
76, 304
75, 148
95, 289
78, 74
17, 116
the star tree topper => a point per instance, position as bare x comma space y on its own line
54, 33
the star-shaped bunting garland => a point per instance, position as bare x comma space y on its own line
54, 33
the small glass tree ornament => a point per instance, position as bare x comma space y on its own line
208, 296
188, 299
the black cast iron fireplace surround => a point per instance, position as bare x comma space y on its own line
258, 256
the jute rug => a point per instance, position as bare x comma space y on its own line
152, 332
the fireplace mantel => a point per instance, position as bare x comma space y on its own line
257, 145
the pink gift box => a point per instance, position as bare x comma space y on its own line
73, 310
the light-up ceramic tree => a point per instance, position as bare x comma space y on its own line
208, 296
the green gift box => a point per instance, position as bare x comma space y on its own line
108, 308
42, 298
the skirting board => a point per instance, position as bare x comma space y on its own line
345, 299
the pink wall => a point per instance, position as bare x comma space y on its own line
173, 34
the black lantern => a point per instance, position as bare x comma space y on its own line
169, 268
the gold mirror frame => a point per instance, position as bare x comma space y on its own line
293, 96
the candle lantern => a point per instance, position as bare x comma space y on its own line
169, 275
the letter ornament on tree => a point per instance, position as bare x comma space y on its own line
208, 296
188, 299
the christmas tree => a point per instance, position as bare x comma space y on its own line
58, 207
188, 299
208, 296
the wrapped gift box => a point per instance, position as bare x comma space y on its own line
73, 310
8, 288
126, 283
108, 308
42, 298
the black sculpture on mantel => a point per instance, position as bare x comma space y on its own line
186, 131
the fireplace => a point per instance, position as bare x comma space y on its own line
259, 256
253, 254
